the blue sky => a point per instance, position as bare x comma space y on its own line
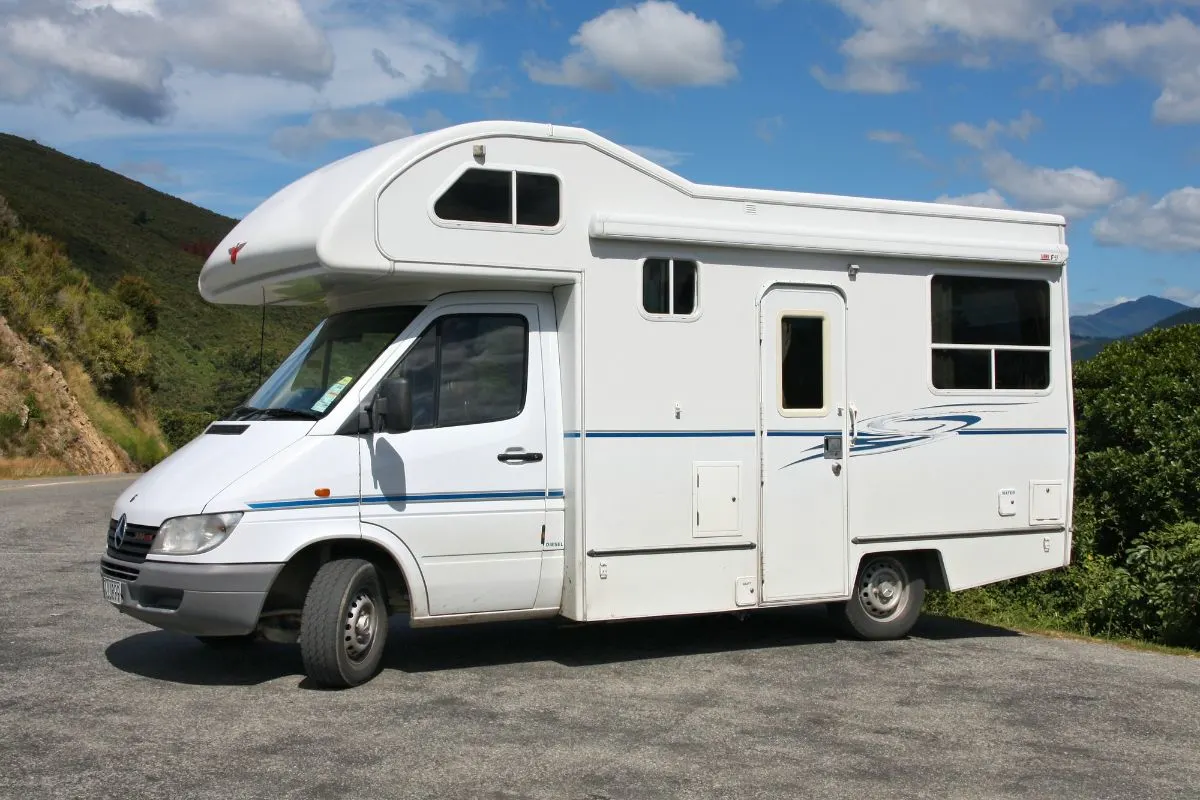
1090, 108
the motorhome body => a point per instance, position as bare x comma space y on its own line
558, 380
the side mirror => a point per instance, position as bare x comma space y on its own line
391, 410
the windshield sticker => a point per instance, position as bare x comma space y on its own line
331, 395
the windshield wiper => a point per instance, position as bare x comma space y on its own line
286, 413
242, 413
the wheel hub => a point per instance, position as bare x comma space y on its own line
361, 620
883, 591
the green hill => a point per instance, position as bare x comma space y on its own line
1189, 317
113, 227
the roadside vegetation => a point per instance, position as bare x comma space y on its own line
1135, 572
143, 249
73, 365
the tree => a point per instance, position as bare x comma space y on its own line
1137, 407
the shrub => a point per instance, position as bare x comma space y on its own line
1166, 565
180, 427
140, 298
9, 221
1138, 417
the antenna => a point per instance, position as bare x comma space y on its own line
262, 336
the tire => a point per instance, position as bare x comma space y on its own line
871, 613
228, 642
343, 626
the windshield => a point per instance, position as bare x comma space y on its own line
309, 383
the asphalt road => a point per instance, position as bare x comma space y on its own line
93, 704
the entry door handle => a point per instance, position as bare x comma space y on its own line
519, 458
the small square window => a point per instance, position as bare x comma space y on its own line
669, 287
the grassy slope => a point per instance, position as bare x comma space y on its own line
93, 211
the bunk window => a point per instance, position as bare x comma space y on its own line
802, 363
669, 287
990, 334
488, 195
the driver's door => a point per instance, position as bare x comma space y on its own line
465, 489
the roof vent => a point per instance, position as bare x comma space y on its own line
750, 208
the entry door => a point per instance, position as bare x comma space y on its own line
465, 490
805, 421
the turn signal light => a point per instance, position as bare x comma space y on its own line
321, 493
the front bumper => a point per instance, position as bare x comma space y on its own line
197, 599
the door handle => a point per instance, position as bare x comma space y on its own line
519, 458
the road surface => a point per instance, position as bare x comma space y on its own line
93, 704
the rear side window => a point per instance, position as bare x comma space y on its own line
990, 334
502, 197
468, 369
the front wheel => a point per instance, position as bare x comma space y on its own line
344, 623
887, 599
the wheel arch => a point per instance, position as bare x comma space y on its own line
928, 561
291, 584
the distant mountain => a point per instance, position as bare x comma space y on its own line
1189, 317
1125, 319
1084, 346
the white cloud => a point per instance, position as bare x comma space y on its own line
1167, 52
989, 199
889, 137
652, 45
373, 125
768, 128
120, 55
1072, 192
895, 36
224, 65
905, 144
1087, 308
981, 138
150, 170
659, 155
1180, 294
1170, 224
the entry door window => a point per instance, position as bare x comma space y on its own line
468, 369
802, 363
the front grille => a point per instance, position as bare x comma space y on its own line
119, 571
135, 545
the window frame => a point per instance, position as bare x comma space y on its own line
511, 227
641, 289
932, 346
826, 367
437, 321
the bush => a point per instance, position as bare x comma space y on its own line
137, 295
1166, 565
1137, 408
55, 307
180, 427
9, 221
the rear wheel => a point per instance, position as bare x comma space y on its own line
887, 599
343, 627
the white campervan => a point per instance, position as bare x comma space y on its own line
557, 380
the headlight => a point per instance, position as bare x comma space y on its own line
187, 536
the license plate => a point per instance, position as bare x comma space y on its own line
113, 591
